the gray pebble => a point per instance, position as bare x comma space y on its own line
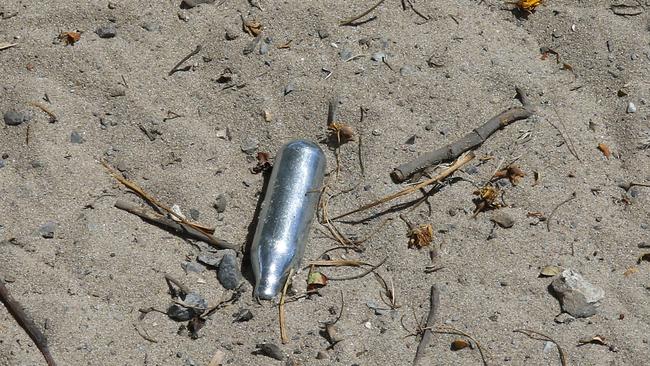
231, 34
150, 27
47, 230
188, 4
190, 362
194, 214
472, 169
75, 137
13, 118
289, 88
2, 163
183, 16
220, 203
406, 70
213, 259
564, 318
271, 350
631, 108
196, 305
502, 219
323, 33
577, 296
106, 31
376, 133
378, 56
243, 315
345, 54
322, 355
229, 274
249, 145
193, 267
430, 126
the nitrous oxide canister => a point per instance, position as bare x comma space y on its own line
286, 215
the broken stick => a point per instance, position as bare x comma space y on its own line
447, 172
17, 312
431, 319
470, 141
177, 227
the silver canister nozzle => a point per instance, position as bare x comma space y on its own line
286, 215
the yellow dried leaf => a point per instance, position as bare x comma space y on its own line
630, 271
550, 271
528, 5
605, 150
69, 38
421, 236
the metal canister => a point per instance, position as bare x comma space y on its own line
286, 215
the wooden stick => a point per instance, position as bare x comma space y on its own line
447, 172
350, 20
177, 227
434, 303
19, 314
470, 141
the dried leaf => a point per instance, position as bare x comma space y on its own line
597, 339
488, 195
459, 344
69, 38
550, 271
253, 27
513, 173
605, 150
566, 66
643, 257
528, 5
421, 236
342, 132
285, 45
263, 163
630, 271
316, 280
5, 45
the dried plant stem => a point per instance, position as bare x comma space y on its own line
434, 304
451, 330
462, 160
543, 337
357, 17
548, 220
281, 316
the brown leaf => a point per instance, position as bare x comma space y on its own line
342, 132
605, 150
459, 344
316, 280
69, 38
263, 163
285, 45
253, 27
513, 173
566, 66
421, 236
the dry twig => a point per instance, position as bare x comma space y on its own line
434, 303
548, 220
349, 21
543, 337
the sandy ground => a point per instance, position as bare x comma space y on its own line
442, 78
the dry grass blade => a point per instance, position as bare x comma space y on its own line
357, 17
360, 275
337, 263
543, 337
281, 317
147, 197
462, 160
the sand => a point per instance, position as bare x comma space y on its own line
441, 78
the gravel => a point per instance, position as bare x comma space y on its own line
106, 31
229, 274
577, 296
14, 118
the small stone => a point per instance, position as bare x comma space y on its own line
75, 137
644, 245
220, 203
578, 297
13, 118
564, 318
289, 88
249, 145
502, 219
378, 56
411, 140
150, 27
213, 259
270, 350
322, 355
406, 70
183, 16
106, 31
189, 4
229, 274
2, 163
112, 5
243, 315
631, 108
192, 267
47, 230
345, 54
231, 35
194, 214
323, 33
189, 362
196, 305
376, 133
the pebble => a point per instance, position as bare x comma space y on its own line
229, 274
188, 4
47, 230
322, 355
345, 54
564, 318
13, 118
243, 315
231, 35
213, 259
271, 350
249, 145
323, 33
577, 296
378, 56
75, 137
192, 267
376, 133
502, 219
406, 70
631, 108
196, 306
194, 214
106, 31
289, 88
150, 27
264, 48
220, 203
